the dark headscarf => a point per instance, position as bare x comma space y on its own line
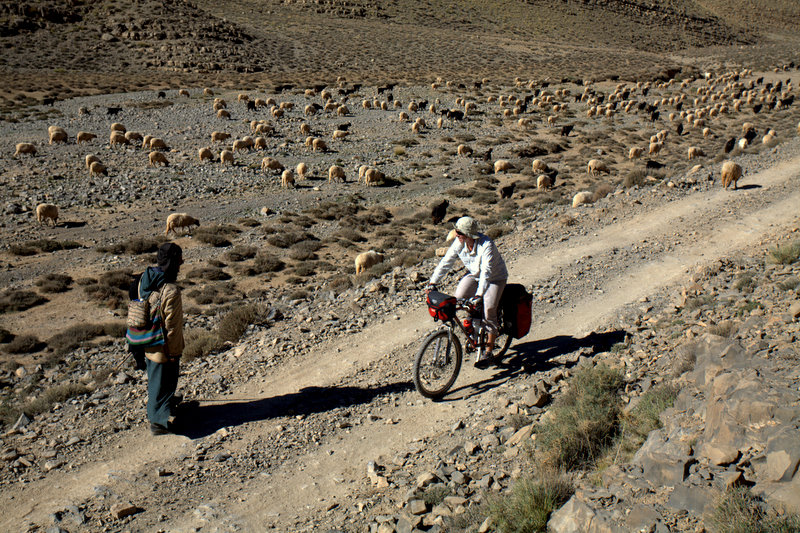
169, 260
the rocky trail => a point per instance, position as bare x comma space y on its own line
321, 440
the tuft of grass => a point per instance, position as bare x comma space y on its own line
785, 255
17, 300
530, 503
285, 239
634, 178
56, 394
586, 419
218, 236
435, 494
745, 283
241, 253
601, 191
696, 303
214, 294
42, 246
748, 307
54, 283
789, 284
200, 343
71, 338
209, 273
726, 328
267, 263
739, 511
235, 322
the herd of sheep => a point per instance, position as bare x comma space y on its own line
698, 109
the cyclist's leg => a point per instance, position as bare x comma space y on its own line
467, 287
491, 300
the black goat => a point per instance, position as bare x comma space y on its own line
508, 190
756, 109
344, 126
162, 94
653, 164
439, 211
111, 111
566, 130
729, 144
251, 105
679, 129
48, 101
487, 156
750, 135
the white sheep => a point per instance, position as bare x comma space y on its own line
157, 144
655, 147
342, 111
583, 197
97, 168
538, 166
544, 182
301, 170
239, 145
318, 145
146, 142
226, 156
595, 165
305, 129
367, 260
260, 143
339, 134
133, 136
269, 163
116, 126
635, 152
180, 220
502, 165
336, 173
372, 176
464, 150
158, 158
47, 212
731, 172
287, 179
91, 158
694, 152
117, 137
223, 113
58, 136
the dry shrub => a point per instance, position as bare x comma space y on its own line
209, 273
56, 394
241, 253
601, 191
54, 283
74, 336
339, 284
334, 210
215, 294
375, 216
350, 234
134, 246
110, 297
120, 279
43, 246
217, 236
18, 300
636, 177
199, 343
24, 344
287, 238
248, 222
235, 322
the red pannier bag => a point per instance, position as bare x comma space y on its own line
441, 306
516, 303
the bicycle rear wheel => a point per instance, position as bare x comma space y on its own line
504, 339
437, 364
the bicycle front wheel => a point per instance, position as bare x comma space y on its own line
437, 364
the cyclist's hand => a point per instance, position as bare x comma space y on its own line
430, 287
476, 301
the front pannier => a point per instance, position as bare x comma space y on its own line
441, 306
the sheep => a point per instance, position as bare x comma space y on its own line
583, 197
260, 102
361, 171
706, 132
276, 112
438, 211
538, 166
116, 126
239, 145
242, 98
91, 159
731, 172
336, 172
269, 163
502, 165
309, 141
146, 142
403, 116
465, 150
133, 136
367, 260
695, 152
117, 137
655, 148
544, 182
158, 157
157, 144
310, 110
180, 220
226, 156
769, 137
595, 165
183, 92
339, 134
219, 136
51, 129
305, 129
58, 136
208, 92
205, 154
635, 153
223, 113
287, 178
743, 142
219, 103
373, 176
318, 145
342, 111
747, 126
97, 168
301, 170
260, 143
47, 212
440, 123
266, 129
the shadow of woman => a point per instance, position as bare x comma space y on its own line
537, 356
197, 421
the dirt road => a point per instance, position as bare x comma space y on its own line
597, 274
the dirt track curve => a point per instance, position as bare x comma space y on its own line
681, 235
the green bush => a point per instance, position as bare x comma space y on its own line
529, 505
586, 419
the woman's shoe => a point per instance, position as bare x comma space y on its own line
483, 360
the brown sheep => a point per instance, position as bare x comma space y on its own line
116, 126
157, 144
595, 165
58, 136
694, 152
372, 177
223, 113
158, 157
219, 136
91, 159
318, 145
239, 145
183, 92
133, 136
655, 147
336, 172
97, 168
305, 129
731, 172
544, 182
84, 136
302, 170
117, 137
260, 143
538, 166
269, 163
47, 212
463, 149
205, 154
146, 142
226, 156
502, 165
635, 153
287, 179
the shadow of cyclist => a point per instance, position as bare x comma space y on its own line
537, 356
196, 421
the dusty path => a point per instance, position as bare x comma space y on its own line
660, 246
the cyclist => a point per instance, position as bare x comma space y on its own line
486, 278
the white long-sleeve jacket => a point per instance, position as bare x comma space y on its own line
483, 262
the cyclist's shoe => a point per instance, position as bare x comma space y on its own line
483, 360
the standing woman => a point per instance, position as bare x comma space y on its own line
157, 284
486, 278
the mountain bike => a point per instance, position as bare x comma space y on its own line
438, 361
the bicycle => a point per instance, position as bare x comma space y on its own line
438, 361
